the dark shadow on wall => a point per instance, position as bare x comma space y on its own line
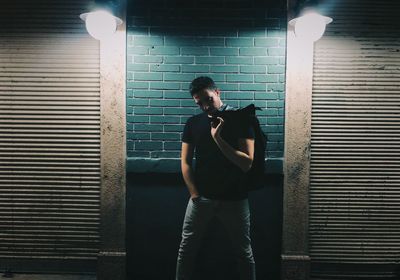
156, 205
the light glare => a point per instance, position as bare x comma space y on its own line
100, 24
311, 26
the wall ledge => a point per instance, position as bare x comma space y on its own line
274, 166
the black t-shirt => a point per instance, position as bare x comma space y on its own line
216, 177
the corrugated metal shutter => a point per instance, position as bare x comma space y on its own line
355, 148
49, 137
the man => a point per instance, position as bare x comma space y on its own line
224, 153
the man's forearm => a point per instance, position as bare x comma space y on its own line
188, 177
241, 159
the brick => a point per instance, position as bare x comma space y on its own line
165, 136
195, 68
148, 145
129, 93
276, 87
210, 60
271, 112
224, 51
253, 51
276, 69
239, 78
238, 60
252, 32
275, 104
275, 120
239, 42
138, 67
148, 76
239, 95
194, 50
178, 77
253, 69
218, 78
275, 137
137, 50
266, 42
137, 85
147, 111
253, 87
224, 86
269, 78
177, 94
138, 154
179, 111
276, 33
275, 154
158, 154
274, 128
179, 59
140, 136
164, 50
185, 86
276, 51
188, 103
266, 95
164, 119
138, 119
147, 59
164, 68
148, 127
174, 127
164, 85
148, 93
172, 145
148, 41
137, 31
266, 60
130, 145
224, 69
193, 41
137, 102
164, 103
222, 31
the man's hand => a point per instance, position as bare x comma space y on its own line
216, 128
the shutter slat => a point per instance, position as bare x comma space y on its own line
49, 134
354, 215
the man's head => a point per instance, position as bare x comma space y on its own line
206, 94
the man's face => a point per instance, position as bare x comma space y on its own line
208, 100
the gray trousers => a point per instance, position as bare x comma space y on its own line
235, 216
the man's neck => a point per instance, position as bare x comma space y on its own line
219, 108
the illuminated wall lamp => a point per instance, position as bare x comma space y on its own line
100, 24
310, 25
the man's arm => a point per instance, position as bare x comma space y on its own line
243, 157
187, 170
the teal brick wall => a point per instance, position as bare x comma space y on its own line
239, 43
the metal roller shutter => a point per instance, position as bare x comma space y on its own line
49, 137
354, 227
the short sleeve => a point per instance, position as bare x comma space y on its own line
247, 132
187, 135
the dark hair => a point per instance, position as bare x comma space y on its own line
201, 83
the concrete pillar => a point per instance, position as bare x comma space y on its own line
295, 254
112, 255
